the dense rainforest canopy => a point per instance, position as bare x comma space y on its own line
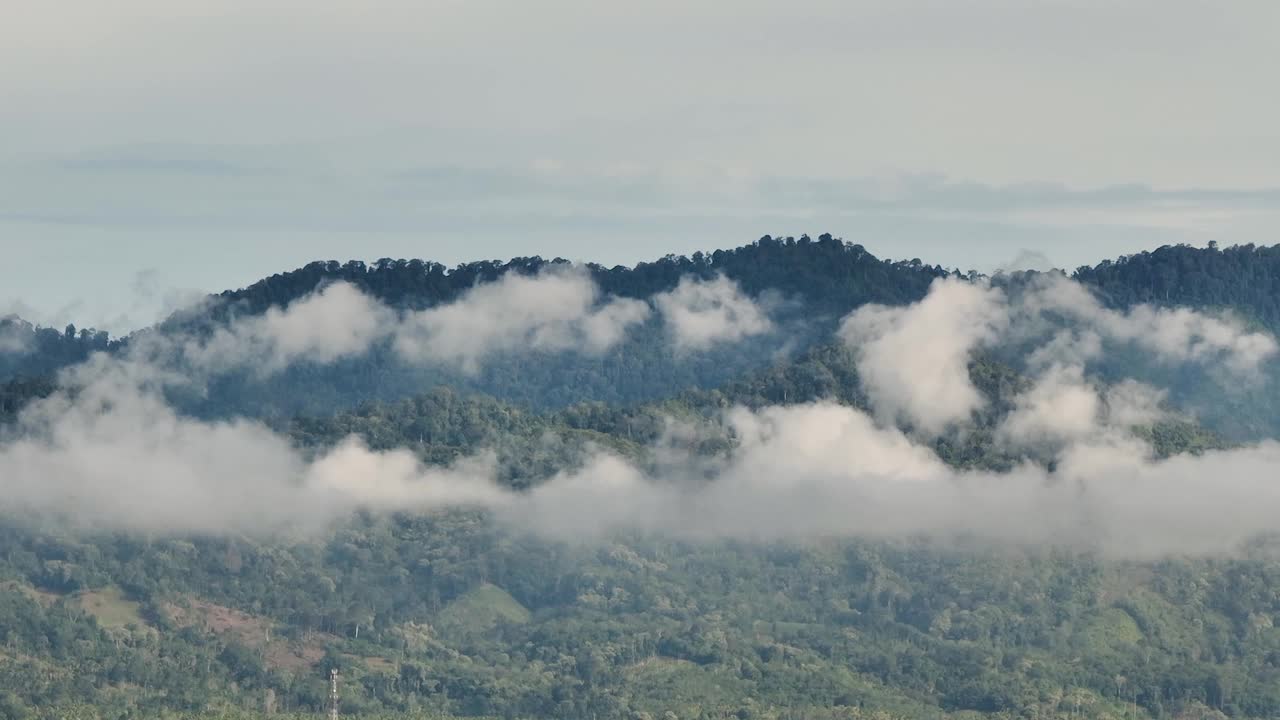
448, 613
812, 284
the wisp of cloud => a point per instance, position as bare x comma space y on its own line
107, 451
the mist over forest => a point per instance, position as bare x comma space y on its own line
787, 480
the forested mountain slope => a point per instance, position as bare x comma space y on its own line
813, 284
28, 351
827, 272
1243, 277
447, 612
629, 556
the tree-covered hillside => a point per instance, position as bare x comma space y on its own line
444, 614
462, 612
828, 273
28, 351
1243, 277
448, 613
812, 283
827, 277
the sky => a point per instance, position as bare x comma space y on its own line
151, 151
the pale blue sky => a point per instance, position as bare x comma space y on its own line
149, 149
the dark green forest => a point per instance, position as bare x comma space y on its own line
450, 614
816, 282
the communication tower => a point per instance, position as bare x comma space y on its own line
333, 694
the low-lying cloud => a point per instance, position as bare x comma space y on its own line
1063, 406
556, 310
335, 322
829, 470
107, 451
1173, 335
914, 360
115, 457
702, 313
14, 336
110, 453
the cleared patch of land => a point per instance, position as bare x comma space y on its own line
479, 611
110, 606
255, 632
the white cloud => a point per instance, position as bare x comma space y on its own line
112, 455
396, 480
115, 455
1072, 346
109, 453
828, 470
554, 310
1129, 403
1064, 407
914, 359
335, 322
702, 313
171, 173
1059, 408
1174, 335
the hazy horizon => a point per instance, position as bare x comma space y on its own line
153, 150
140, 297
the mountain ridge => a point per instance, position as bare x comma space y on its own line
458, 611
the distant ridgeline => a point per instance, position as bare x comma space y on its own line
29, 351
816, 282
811, 284
827, 273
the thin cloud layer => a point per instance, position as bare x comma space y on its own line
1174, 335
335, 322
107, 452
113, 455
110, 453
1059, 408
1063, 406
554, 310
828, 470
13, 336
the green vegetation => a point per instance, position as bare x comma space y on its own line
109, 607
480, 611
453, 614
449, 615
827, 276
